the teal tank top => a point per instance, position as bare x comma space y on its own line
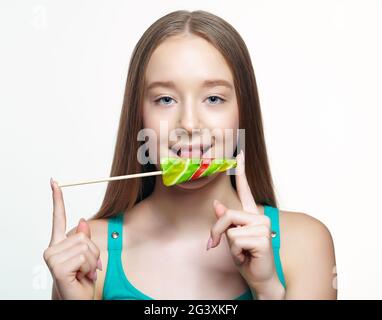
118, 287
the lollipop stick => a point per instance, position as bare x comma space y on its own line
129, 176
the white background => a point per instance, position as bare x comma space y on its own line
63, 66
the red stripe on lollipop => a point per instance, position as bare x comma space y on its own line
203, 167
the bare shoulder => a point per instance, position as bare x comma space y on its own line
295, 225
302, 233
307, 255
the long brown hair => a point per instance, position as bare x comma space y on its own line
121, 195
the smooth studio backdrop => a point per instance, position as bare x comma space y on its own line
63, 67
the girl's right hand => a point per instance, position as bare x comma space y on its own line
72, 260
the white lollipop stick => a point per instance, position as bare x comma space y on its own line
129, 176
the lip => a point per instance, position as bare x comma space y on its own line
186, 150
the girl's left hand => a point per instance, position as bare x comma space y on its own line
249, 237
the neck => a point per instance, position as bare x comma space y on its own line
190, 211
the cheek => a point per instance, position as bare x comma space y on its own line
161, 121
233, 120
226, 121
153, 115
149, 118
224, 117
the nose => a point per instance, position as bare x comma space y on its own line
189, 117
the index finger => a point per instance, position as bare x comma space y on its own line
59, 216
243, 189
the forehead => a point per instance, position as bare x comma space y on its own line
186, 60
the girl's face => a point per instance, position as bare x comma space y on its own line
189, 88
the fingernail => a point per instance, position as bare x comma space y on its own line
99, 264
209, 243
51, 183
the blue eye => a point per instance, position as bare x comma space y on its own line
167, 100
157, 101
215, 99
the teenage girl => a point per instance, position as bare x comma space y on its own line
218, 237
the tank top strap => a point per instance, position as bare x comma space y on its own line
114, 288
115, 228
273, 214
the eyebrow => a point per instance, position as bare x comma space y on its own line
206, 84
